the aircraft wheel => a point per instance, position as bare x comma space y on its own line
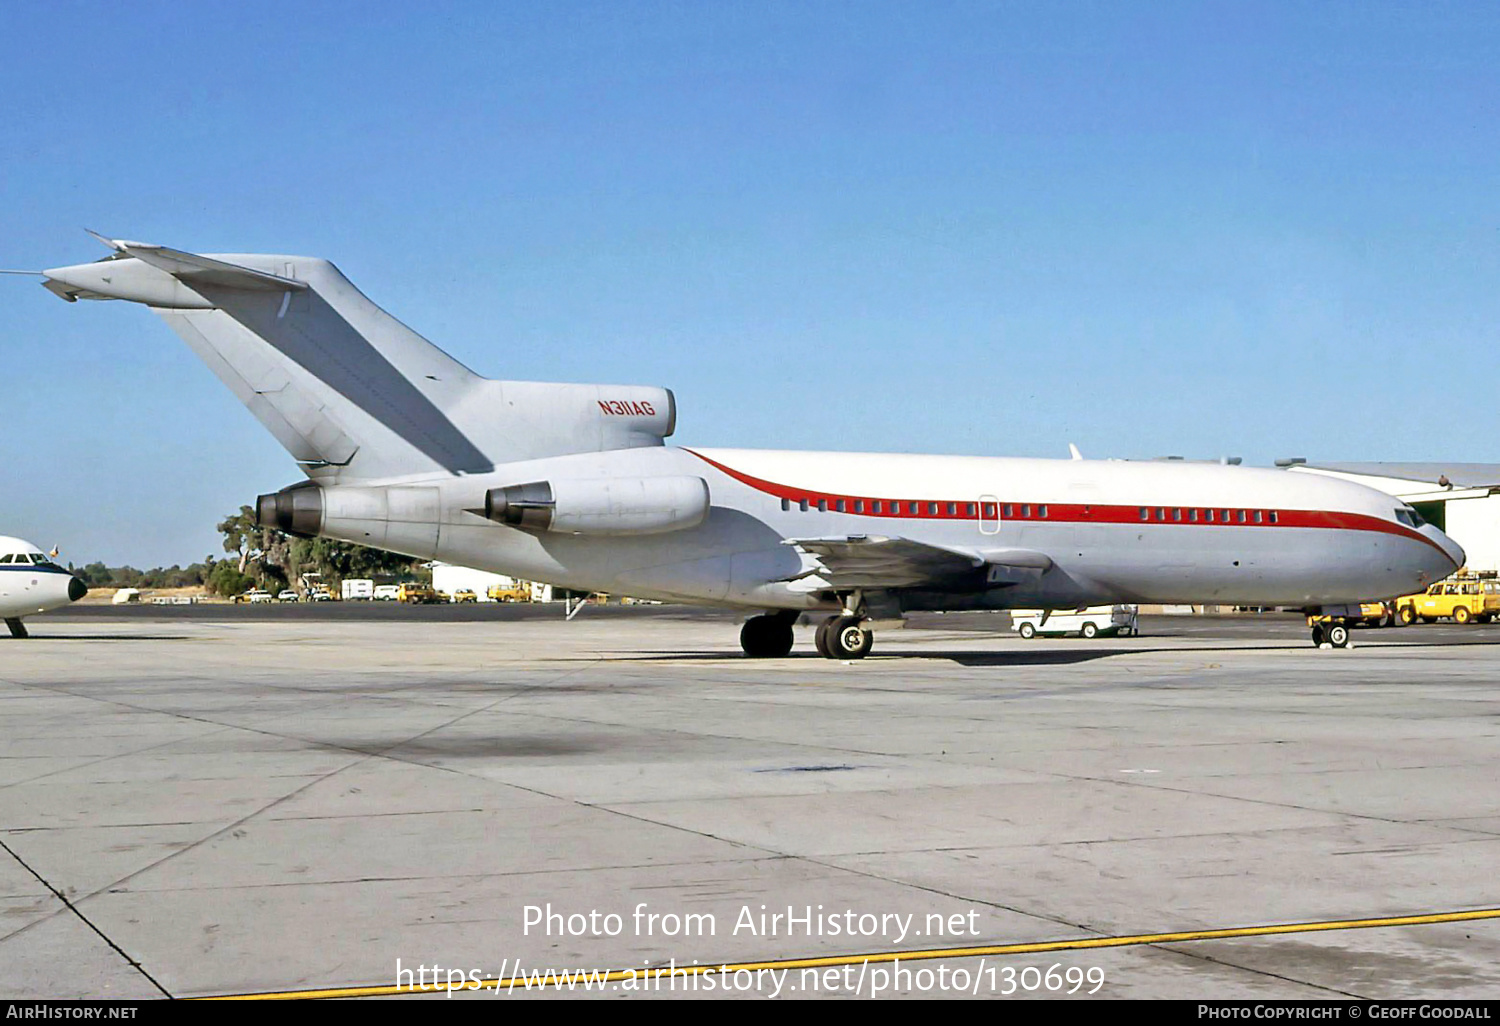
1319, 635
820, 639
848, 639
1027, 631
766, 637
1089, 631
1338, 635
1461, 615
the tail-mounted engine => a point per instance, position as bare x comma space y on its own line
602, 506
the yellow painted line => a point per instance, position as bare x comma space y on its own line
1078, 944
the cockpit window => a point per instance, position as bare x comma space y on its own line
7, 559
1409, 517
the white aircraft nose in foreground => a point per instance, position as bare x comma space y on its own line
408, 450
31, 583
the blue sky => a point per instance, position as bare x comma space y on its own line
1204, 228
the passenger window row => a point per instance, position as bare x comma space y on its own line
900, 507
1177, 515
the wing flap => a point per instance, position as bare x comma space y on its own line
874, 561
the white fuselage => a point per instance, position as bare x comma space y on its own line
31, 583
1112, 530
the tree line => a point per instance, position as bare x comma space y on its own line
262, 557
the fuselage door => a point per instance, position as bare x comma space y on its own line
989, 514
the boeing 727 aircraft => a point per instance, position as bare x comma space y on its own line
406, 449
31, 583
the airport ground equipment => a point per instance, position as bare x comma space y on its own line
1463, 598
417, 594
516, 591
1094, 622
1365, 614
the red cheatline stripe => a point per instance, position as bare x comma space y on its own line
968, 509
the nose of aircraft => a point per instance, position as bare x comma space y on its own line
77, 589
1451, 549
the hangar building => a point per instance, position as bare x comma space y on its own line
1462, 499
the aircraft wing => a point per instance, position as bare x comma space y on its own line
873, 561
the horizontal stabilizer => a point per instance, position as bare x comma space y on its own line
192, 268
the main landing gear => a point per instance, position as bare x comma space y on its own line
843, 637
768, 636
839, 637
17, 628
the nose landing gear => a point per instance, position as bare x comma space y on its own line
1335, 635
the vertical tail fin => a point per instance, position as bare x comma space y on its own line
348, 390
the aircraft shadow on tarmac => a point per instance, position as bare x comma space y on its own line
97, 637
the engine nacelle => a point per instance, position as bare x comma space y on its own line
297, 510
601, 506
397, 518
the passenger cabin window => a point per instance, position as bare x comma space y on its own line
1192, 516
802, 505
1273, 516
952, 508
1010, 511
932, 509
879, 506
1145, 513
822, 505
839, 505
1041, 511
786, 504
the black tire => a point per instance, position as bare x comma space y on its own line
1027, 630
766, 637
820, 638
1406, 616
1462, 615
1089, 631
1338, 635
847, 639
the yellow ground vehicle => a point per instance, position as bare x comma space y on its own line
1371, 614
517, 592
1467, 598
416, 594
463, 595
